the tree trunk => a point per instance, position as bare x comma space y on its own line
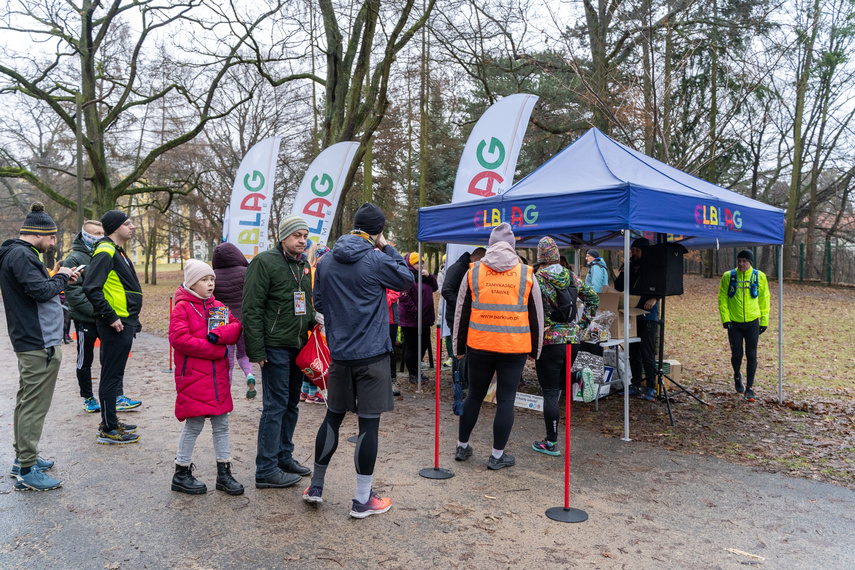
798, 143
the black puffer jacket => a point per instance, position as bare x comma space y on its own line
230, 271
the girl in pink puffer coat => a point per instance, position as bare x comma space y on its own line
200, 328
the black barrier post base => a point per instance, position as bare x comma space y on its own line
562, 514
436, 473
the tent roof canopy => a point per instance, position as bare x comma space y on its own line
595, 188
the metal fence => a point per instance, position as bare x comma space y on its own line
831, 263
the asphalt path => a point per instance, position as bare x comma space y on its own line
647, 507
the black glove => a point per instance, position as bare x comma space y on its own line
212, 338
726, 325
763, 329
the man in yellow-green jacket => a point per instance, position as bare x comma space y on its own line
743, 303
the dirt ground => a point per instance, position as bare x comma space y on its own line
648, 507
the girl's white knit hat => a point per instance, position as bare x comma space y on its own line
195, 270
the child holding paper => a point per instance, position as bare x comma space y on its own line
200, 328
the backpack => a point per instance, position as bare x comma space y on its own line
566, 310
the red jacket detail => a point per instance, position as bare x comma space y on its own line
201, 368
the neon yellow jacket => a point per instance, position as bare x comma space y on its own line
742, 308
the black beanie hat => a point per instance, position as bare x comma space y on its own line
640, 243
370, 219
112, 220
37, 222
594, 253
746, 254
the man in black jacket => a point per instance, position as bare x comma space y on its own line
115, 293
35, 323
82, 312
450, 286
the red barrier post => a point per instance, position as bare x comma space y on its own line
435, 472
565, 513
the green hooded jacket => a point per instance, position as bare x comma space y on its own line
269, 318
80, 308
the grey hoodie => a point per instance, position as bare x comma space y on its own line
500, 257
350, 291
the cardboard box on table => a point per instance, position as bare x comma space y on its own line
613, 302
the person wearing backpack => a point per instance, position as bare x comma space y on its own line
559, 289
743, 303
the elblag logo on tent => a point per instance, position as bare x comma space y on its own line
520, 217
713, 217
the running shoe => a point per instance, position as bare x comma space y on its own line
115, 437
373, 506
737, 384
303, 396
317, 398
649, 395
251, 392
589, 391
506, 460
123, 403
749, 394
312, 494
36, 480
43, 464
463, 453
546, 447
91, 406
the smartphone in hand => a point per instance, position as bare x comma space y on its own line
79, 268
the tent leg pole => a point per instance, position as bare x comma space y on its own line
626, 376
419, 344
781, 325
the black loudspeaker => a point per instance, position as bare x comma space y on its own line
662, 270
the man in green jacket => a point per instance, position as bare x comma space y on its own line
743, 303
277, 317
113, 289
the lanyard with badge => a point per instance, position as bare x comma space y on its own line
299, 296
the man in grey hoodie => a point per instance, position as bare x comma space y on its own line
350, 291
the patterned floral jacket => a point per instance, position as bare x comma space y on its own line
557, 277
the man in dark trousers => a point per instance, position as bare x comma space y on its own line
454, 276
113, 289
642, 352
82, 312
350, 291
35, 323
277, 317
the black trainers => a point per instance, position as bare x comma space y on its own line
749, 394
463, 453
294, 467
115, 437
277, 480
737, 384
506, 460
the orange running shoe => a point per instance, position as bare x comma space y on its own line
373, 506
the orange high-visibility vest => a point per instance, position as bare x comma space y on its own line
499, 318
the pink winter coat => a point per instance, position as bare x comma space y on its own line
201, 368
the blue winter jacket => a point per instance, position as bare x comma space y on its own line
597, 277
350, 291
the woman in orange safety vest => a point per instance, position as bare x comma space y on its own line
499, 322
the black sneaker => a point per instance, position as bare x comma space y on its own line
294, 467
749, 395
277, 480
463, 453
114, 437
506, 460
737, 384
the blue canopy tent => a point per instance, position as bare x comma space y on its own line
597, 192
